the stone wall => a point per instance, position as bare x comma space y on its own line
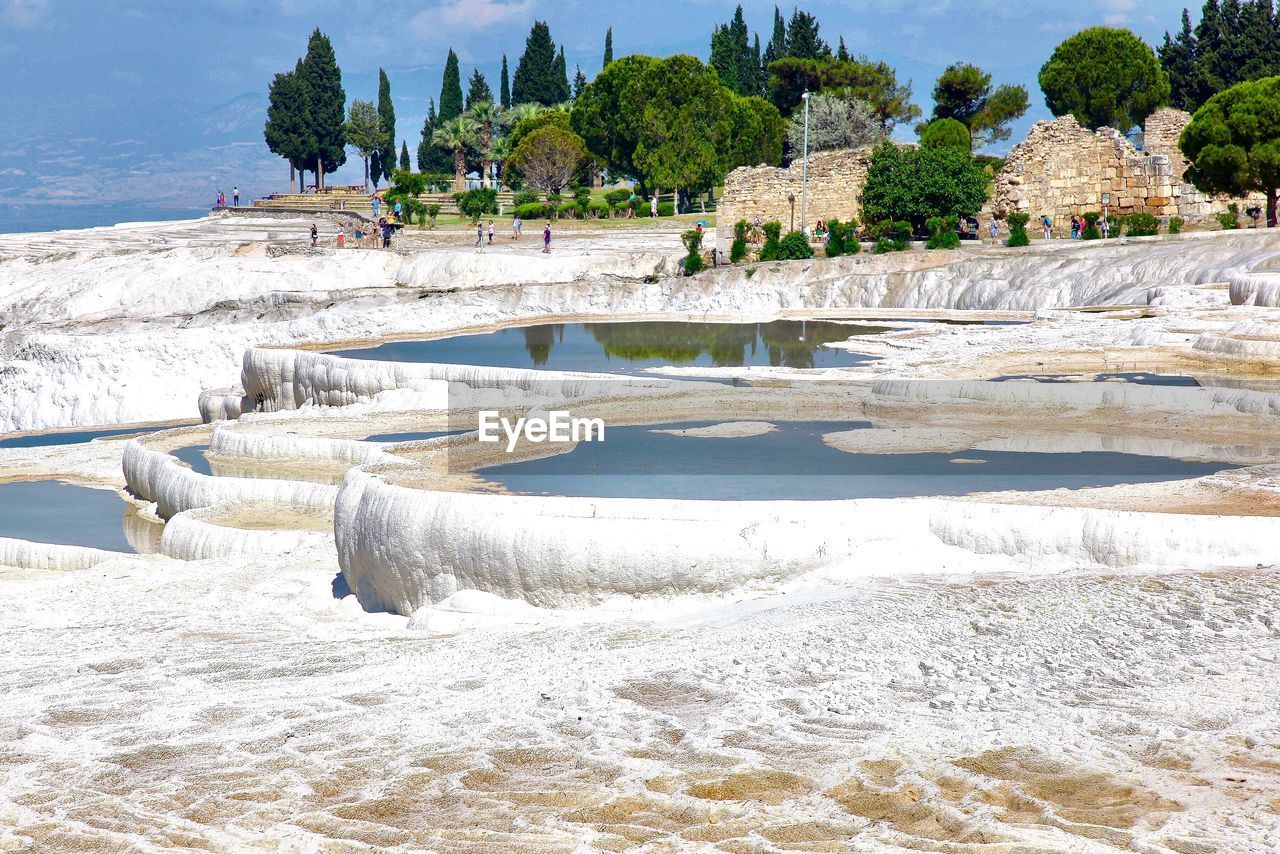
835, 191
1062, 169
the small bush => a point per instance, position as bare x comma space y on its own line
1018, 229
477, 203
598, 210
525, 197
640, 207
895, 234
1091, 231
842, 238
794, 247
666, 209
569, 210
692, 240
1115, 226
769, 251
534, 210
1142, 225
1230, 218
883, 245
582, 195
942, 233
738, 249
432, 211
617, 197
1175, 224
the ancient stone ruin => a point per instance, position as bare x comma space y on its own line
772, 193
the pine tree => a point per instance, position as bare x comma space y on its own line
562, 77
762, 77
327, 105
478, 90
608, 47
504, 86
1235, 41
404, 156
803, 41
579, 82
535, 80
777, 47
747, 74
450, 91
387, 115
842, 53
724, 56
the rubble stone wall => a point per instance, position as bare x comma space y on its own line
834, 188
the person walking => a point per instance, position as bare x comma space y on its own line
1048, 226
546, 239
479, 234
490, 232
314, 234
399, 211
235, 196
1105, 225
515, 228
653, 205
994, 228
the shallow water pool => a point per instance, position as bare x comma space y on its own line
794, 463
51, 511
630, 347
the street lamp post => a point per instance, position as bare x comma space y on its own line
804, 172
1106, 208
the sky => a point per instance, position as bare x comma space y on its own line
157, 104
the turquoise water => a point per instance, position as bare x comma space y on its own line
50, 511
1136, 377
794, 463
76, 437
632, 346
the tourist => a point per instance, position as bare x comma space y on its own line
314, 235
342, 237
359, 236
653, 205
235, 196
398, 210
1048, 226
386, 234
994, 228
515, 228
546, 239
479, 233
375, 203
1105, 225
490, 232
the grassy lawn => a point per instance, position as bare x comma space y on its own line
503, 223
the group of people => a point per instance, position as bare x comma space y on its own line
362, 236
221, 199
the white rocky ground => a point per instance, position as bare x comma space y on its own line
245, 699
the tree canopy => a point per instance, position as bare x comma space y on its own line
387, 119
1233, 142
326, 105
1105, 77
536, 79
504, 86
733, 58
1234, 41
916, 184
363, 132
859, 79
835, 122
803, 41
608, 47
549, 157
945, 133
288, 130
451, 105
478, 90
963, 92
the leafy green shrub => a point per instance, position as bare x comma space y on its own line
525, 197
794, 247
408, 183
945, 133
883, 245
692, 240
769, 251
942, 233
666, 209
1230, 218
476, 203
842, 238
570, 210
535, 210
738, 249
1018, 229
598, 210
616, 199
1175, 224
432, 211
890, 235
1091, 231
1115, 226
414, 208
640, 207
582, 195
1142, 225
554, 199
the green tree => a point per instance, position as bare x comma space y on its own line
835, 122
803, 41
563, 92
608, 47
945, 133
431, 158
404, 156
504, 86
456, 135
387, 118
1105, 77
549, 157
288, 127
733, 58
478, 89
487, 116
756, 134
363, 132
1233, 142
605, 115
579, 82
859, 79
777, 47
915, 184
327, 105
1235, 41
535, 80
842, 52
964, 93
450, 90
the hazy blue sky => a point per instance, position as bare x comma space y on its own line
162, 101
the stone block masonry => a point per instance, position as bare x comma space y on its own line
835, 191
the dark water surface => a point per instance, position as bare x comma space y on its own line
50, 511
632, 346
794, 463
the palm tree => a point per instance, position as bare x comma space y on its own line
457, 134
487, 115
520, 112
499, 152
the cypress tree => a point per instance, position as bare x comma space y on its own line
579, 82
504, 86
842, 52
724, 57
608, 47
288, 127
404, 156
562, 77
762, 77
450, 90
431, 158
777, 47
746, 83
803, 41
387, 115
535, 80
478, 90
327, 105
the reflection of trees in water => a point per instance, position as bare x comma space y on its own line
789, 343
538, 341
